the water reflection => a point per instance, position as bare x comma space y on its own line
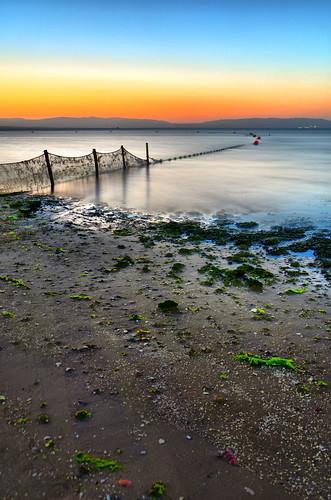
288, 175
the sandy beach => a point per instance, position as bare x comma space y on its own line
153, 348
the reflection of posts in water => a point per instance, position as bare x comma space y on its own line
124, 185
97, 189
148, 186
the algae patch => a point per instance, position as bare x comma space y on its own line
8, 314
256, 360
83, 414
92, 463
158, 490
168, 306
19, 283
295, 291
80, 296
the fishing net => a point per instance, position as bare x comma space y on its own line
33, 174
114, 160
132, 160
23, 175
66, 168
110, 161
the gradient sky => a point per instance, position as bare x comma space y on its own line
175, 60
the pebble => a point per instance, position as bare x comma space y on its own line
161, 441
188, 437
249, 491
143, 452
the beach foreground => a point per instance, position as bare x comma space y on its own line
145, 342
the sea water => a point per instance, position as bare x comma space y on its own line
285, 179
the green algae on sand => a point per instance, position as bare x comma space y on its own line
168, 306
19, 283
256, 360
158, 490
92, 463
244, 275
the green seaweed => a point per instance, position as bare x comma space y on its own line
19, 283
49, 443
245, 274
321, 383
136, 317
295, 291
142, 335
168, 306
93, 463
83, 414
123, 232
178, 267
158, 490
256, 360
43, 418
122, 262
22, 421
8, 314
247, 225
242, 257
80, 296
187, 251
193, 309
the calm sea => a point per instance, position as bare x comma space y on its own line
286, 178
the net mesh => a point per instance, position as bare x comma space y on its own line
66, 168
33, 174
110, 161
24, 175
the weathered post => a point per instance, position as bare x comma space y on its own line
96, 164
147, 154
49, 168
123, 156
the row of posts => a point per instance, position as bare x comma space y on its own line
96, 163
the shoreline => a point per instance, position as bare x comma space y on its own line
87, 333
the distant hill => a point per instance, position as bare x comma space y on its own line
129, 123
268, 123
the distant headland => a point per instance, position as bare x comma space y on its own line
132, 123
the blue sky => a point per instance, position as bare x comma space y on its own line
288, 39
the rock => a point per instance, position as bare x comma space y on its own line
249, 491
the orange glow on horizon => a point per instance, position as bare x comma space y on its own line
33, 92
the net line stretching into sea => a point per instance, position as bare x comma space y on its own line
50, 169
34, 173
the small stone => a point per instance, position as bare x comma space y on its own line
249, 491
189, 438
58, 364
161, 441
143, 452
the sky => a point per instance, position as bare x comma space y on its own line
173, 60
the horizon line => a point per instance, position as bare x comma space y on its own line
89, 117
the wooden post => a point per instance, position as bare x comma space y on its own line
123, 157
147, 154
96, 164
49, 168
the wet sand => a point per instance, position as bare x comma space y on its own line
165, 393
